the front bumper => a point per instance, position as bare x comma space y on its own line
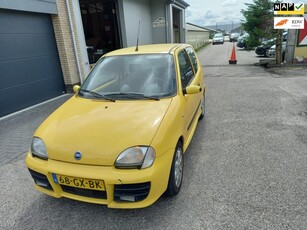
218, 41
271, 53
149, 184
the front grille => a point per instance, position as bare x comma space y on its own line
40, 180
131, 192
85, 192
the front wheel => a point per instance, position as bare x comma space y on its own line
175, 177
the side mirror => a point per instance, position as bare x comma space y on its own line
192, 89
76, 88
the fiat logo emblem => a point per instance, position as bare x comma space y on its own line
78, 155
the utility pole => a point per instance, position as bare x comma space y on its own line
291, 42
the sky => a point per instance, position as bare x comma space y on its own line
212, 12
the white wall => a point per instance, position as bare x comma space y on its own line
197, 38
158, 9
135, 11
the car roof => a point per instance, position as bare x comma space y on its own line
148, 49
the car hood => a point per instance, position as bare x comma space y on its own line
100, 130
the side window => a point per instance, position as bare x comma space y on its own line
193, 58
186, 70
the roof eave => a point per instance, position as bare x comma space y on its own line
180, 3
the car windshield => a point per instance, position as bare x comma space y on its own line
147, 76
218, 35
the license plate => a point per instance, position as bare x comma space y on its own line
78, 182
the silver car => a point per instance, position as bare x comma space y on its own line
271, 52
218, 38
234, 37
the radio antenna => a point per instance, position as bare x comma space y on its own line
137, 40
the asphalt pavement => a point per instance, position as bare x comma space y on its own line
245, 168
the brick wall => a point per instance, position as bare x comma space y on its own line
65, 46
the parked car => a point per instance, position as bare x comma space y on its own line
241, 43
218, 38
120, 139
234, 37
263, 49
271, 52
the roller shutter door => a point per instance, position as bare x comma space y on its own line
30, 70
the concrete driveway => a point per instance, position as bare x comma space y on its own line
220, 54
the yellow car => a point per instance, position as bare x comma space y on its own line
120, 139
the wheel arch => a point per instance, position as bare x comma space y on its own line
181, 140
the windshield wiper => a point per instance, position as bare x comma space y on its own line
97, 95
134, 96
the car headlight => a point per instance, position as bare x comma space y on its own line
38, 148
139, 157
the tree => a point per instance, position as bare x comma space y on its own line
258, 22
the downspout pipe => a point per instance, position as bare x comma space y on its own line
167, 17
74, 41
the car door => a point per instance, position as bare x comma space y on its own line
191, 101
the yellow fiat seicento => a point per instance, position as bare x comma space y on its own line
120, 139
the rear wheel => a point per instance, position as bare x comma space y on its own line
175, 177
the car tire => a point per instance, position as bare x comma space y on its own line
176, 174
213, 43
203, 108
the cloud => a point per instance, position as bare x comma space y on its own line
197, 16
210, 14
215, 12
188, 13
228, 3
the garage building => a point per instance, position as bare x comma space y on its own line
30, 69
47, 46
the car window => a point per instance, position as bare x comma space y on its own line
186, 70
193, 58
218, 35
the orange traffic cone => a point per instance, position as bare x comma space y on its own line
233, 59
